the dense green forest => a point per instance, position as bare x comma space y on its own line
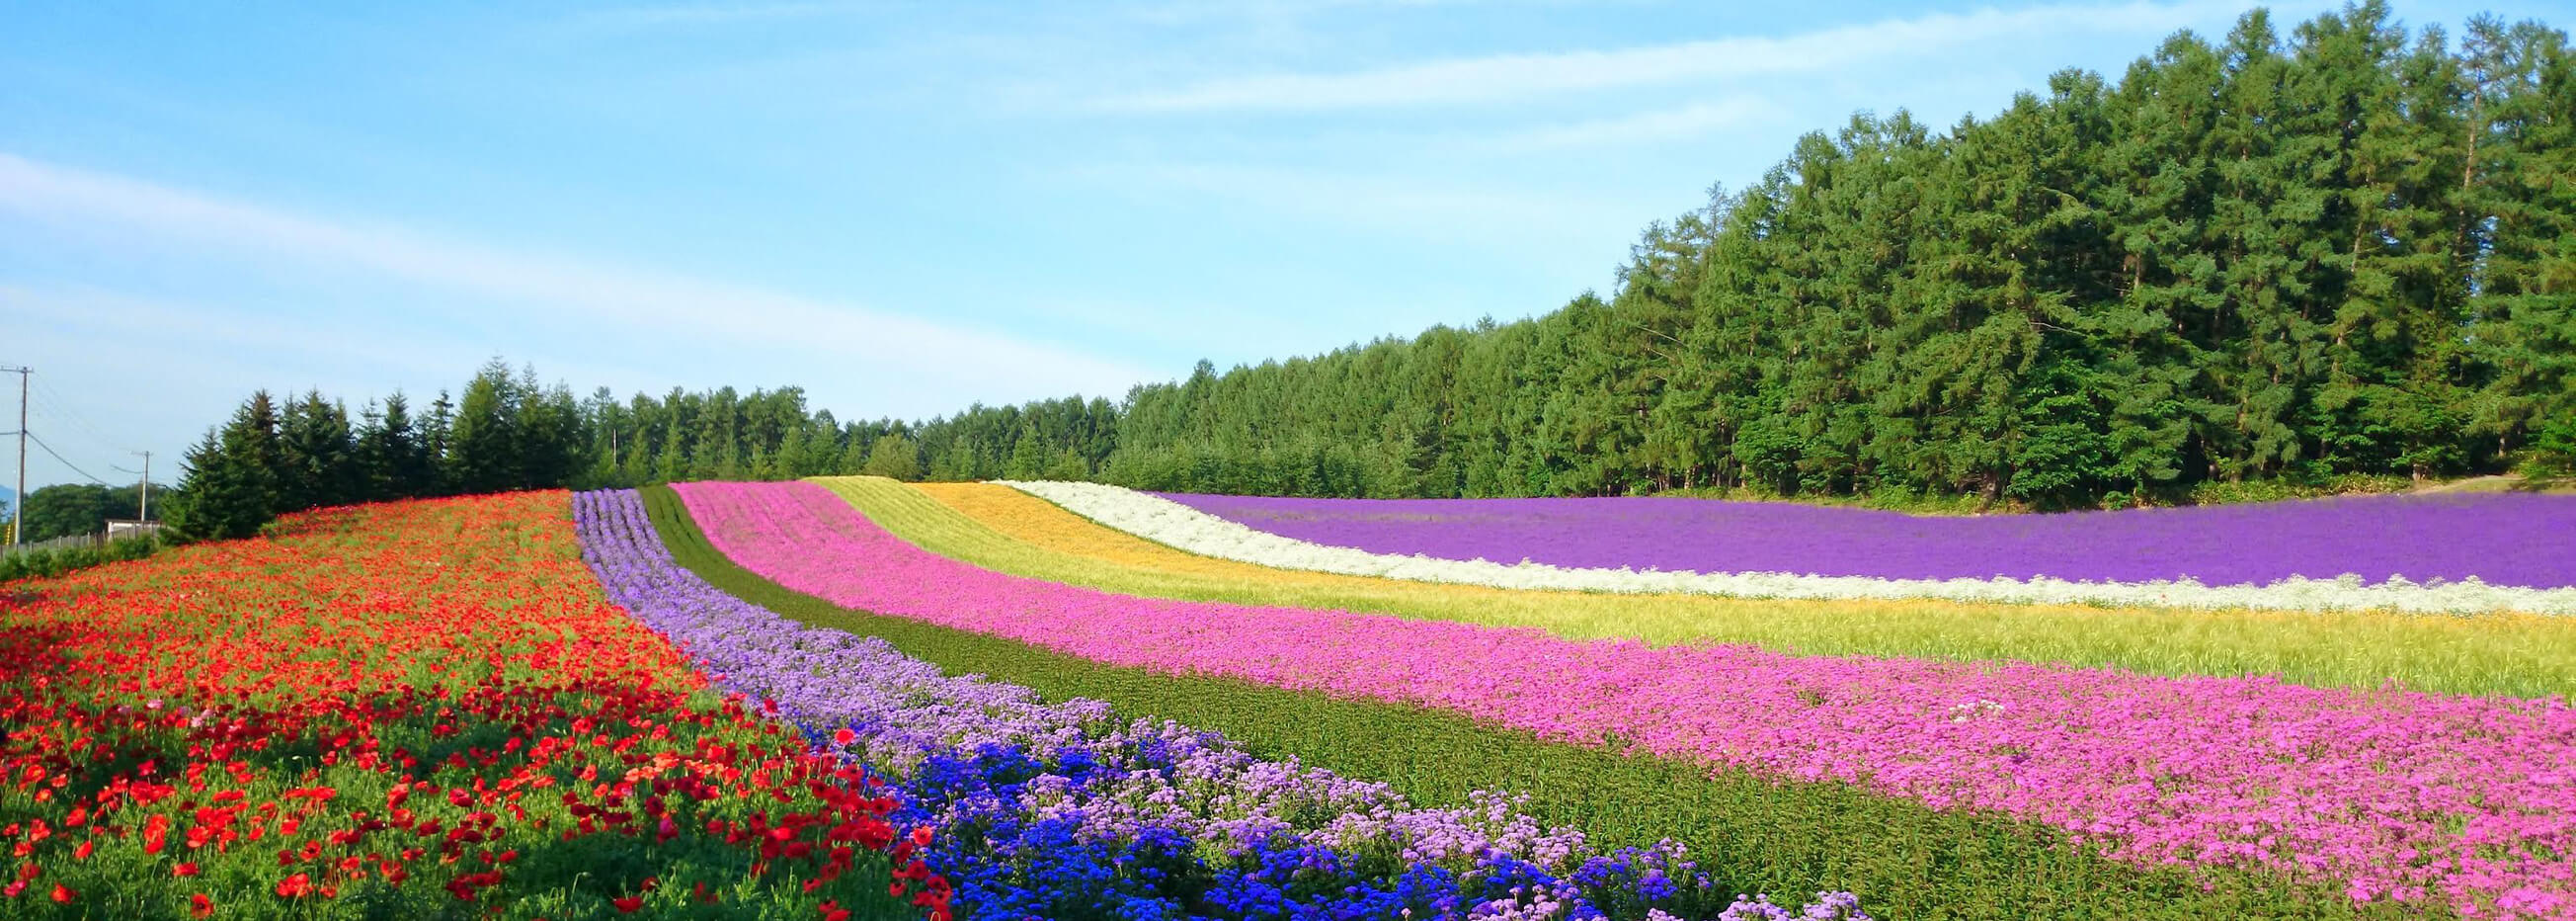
65, 509
2347, 251
2350, 252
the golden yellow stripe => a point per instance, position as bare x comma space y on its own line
1007, 530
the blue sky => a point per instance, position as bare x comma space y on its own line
902, 207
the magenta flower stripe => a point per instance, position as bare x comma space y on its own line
2401, 795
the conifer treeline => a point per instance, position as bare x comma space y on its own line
506, 432
2353, 251
2350, 252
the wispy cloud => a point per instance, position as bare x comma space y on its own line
937, 355
1644, 127
1411, 206
1514, 77
190, 356
116, 316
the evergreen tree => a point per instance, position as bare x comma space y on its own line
893, 456
391, 459
228, 485
438, 436
318, 465
483, 441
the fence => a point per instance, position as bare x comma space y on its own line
116, 530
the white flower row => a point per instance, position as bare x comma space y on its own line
1179, 526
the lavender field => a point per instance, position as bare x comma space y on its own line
2527, 541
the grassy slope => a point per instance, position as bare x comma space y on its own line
1907, 862
2524, 655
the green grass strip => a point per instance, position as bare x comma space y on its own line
1790, 839
2521, 655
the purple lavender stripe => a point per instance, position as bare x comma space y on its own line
2503, 540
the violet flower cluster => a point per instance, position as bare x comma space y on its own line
1554, 531
2504, 540
1060, 810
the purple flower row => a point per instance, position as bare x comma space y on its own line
2518, 540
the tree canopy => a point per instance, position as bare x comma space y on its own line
65, 509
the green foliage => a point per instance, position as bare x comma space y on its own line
2276, 490
66, 509
317, 454
1760, 835
2553, 453
392, 457
893, 457
511, 433
39, 564
230, 481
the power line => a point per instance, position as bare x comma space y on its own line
51, 403
49, 449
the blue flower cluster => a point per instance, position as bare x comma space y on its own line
1013, 853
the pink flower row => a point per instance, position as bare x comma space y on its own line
2395, 794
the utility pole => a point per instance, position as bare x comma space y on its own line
18, 499
143, 503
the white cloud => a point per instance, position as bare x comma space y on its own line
112, 315
930, 354
1402, 204
1514, 77
102, 350
1643, 127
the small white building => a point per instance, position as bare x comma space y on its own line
122, 528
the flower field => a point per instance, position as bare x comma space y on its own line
413, 710
1000, 528
2479, 553
854, 698
1061, 811
2391, 797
